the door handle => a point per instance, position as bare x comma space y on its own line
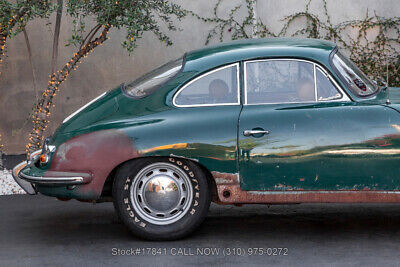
253, 132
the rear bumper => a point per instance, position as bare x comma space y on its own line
28, 187
58, 178
28, 180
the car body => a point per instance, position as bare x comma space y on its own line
259, 136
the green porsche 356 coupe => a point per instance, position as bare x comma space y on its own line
256, 121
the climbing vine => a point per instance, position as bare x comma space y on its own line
134, 17
375, 46
14, 16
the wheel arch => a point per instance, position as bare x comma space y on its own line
108, 184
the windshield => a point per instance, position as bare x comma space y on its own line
354, 77
149, 82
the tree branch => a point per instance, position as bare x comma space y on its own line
44, 105
56, 36
28, 48
91, 32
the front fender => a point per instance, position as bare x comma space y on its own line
96, 153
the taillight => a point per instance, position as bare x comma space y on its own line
44, 159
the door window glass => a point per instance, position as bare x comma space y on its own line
280, 81
325, 89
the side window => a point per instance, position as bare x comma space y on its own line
280, 81
218, 87
325, 89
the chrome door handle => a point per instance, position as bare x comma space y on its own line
252, 132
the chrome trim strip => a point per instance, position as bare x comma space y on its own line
315, 83
34, 156
51, 180
80, 109
205, 74
25, 185
244, 83
51, 148
344, 97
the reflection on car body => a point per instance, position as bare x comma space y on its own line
278, 120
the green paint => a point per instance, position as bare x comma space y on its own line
311, 146
320, 147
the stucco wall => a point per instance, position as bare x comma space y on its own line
110, 65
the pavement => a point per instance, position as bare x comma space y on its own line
38, 230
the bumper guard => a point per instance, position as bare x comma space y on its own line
52, 178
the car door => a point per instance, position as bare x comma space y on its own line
299, 131
204, 124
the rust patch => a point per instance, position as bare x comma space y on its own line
222, 178
229, 192
285, 187
96, 153
239, 196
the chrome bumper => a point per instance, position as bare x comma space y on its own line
28, 187
53, 178
70, 179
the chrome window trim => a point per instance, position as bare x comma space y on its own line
335, 84
344, 98
83, 107
205, 74
315, 83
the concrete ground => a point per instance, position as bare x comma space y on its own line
37, 230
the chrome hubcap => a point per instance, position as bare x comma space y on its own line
161, 193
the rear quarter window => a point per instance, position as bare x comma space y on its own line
151, 81
216, 87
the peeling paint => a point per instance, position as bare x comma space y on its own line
225, 178
96, 153
238, 196
287, 194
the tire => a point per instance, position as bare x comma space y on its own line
161, 198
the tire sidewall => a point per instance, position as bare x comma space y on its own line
137, 224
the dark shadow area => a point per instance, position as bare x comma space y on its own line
42, 230
9, 161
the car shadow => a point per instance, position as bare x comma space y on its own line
41, 230
83, 223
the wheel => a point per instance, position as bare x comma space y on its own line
161, 198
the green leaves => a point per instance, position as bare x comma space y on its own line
134, 16
378, 56
15, 14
